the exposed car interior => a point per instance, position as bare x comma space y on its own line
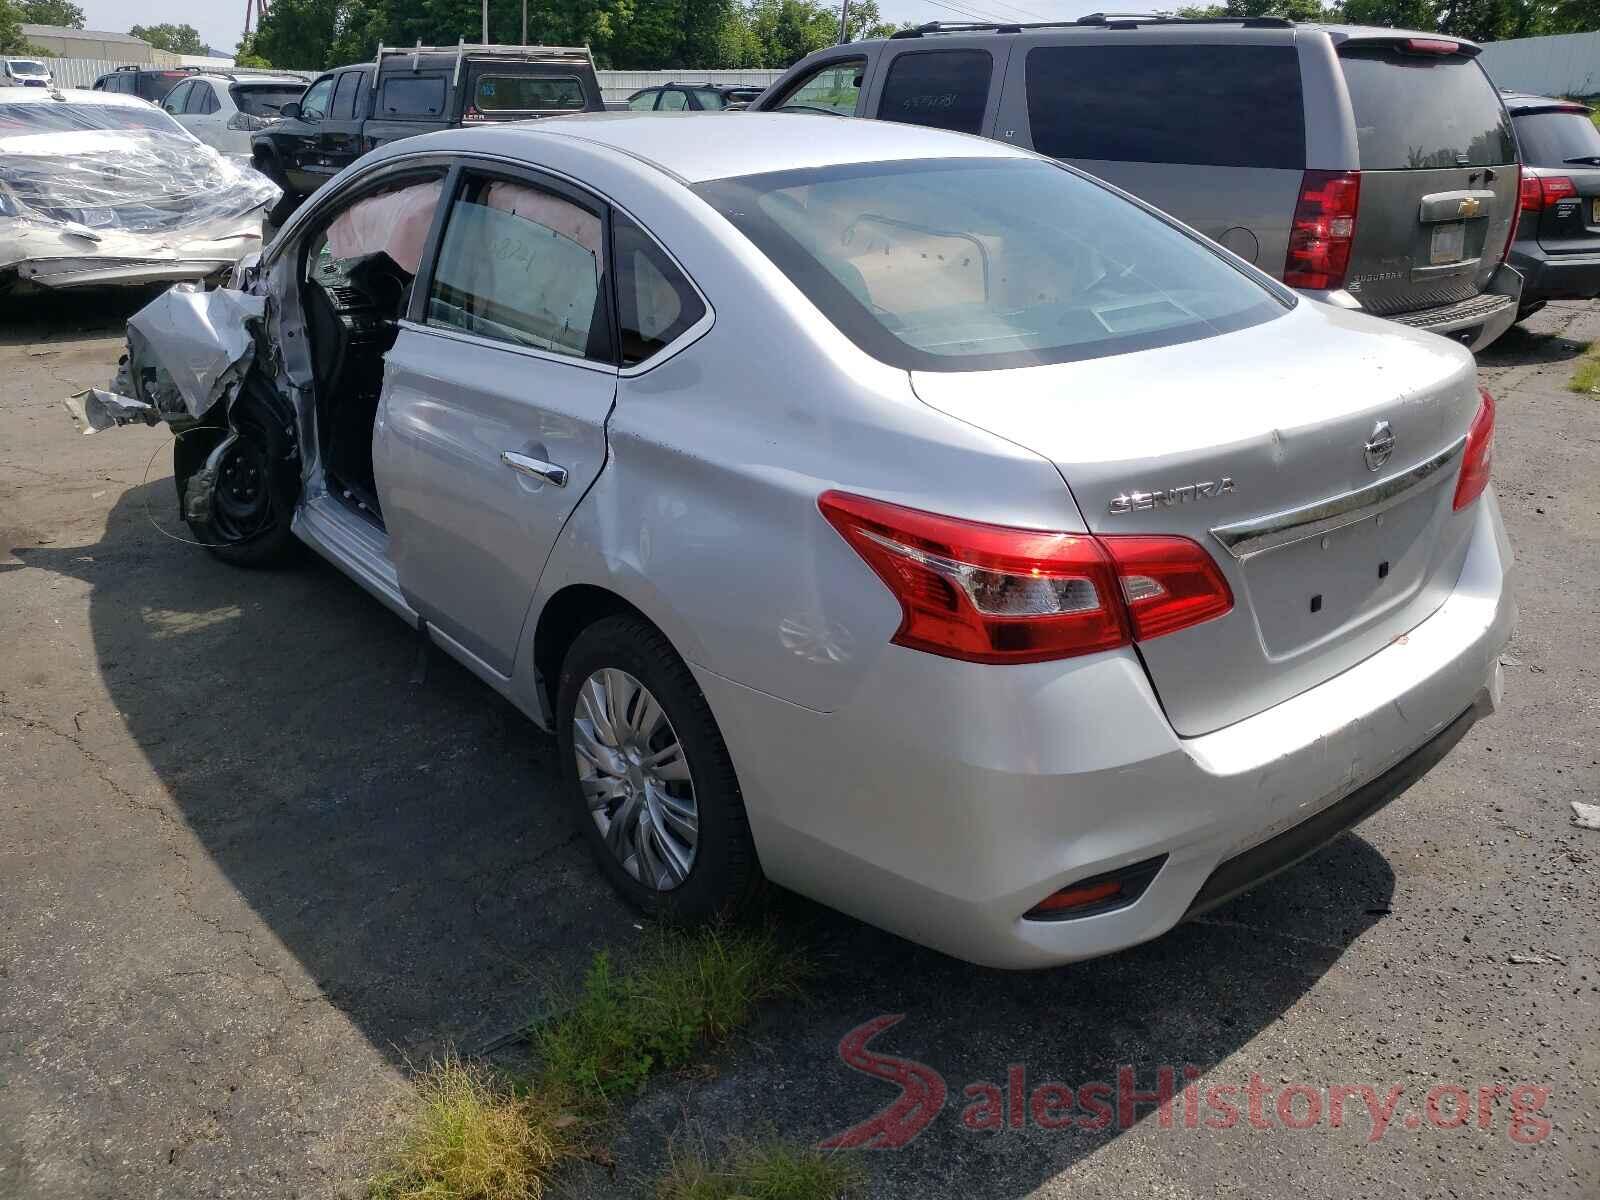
357, 278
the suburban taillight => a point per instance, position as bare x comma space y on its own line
1516, 216
996, 594
1479, 455
1323, 230
1540, 192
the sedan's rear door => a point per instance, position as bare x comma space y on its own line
1438, 173
492, 423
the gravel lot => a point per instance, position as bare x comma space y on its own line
254, 860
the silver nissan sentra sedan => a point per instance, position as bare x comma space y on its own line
901, 517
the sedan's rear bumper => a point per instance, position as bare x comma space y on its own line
1549, 276
947, 799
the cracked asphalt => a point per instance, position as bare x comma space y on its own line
254, 861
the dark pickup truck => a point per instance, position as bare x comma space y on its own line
418, 90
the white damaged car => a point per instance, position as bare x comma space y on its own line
97, 189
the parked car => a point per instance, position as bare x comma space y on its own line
24, 72
695, 97
908, 518
1557, 247
224, 110
342, 115
147, 83
1373, 169
99, 188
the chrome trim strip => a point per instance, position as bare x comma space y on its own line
1246, 539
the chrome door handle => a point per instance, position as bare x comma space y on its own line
535, 467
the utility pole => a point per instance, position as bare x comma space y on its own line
524, 22
844, 19
485, 22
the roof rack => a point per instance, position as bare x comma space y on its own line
463, 48
1099, 20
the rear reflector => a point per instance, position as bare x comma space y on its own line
1540, 192
1102, 893
1478, 459
1323, 230
1431, 46
996, 594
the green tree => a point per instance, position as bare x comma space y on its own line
1295, 10
52, 12
11, 39
177, 39
1573, 16
297, 34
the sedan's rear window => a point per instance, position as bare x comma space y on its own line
1199, 104
1559, 139
1417, 111
981, 264
528, 93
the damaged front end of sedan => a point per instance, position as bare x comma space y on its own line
192, 364
100, 190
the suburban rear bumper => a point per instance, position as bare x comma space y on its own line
1549, 276
1475, 322
947, 799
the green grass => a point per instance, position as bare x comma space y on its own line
772, 1170
470, 1136
474, 1134
684, 989
1586, 379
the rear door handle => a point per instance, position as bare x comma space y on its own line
536, 467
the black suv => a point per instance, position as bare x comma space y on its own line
343, 115
1557, 247
695, 97
148, 83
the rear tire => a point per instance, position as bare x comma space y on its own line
624, 701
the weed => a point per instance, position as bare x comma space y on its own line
773, 1170
470, 1137
684, 989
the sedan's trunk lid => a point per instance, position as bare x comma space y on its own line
1266, 446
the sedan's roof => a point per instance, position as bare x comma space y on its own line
38, 95
699, 146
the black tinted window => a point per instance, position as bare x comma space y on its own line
344, 96
654, 300
155, 86
264, 100
1558, 139
1218, 106
528, 93
946, 89
412, 96
1424, 110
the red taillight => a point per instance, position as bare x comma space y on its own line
995, 594
1516, 215
1479, 455
1540, 192
1168, 583
1324, 227
1431, 46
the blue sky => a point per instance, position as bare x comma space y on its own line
220, 21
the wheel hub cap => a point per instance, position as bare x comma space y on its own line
635, 779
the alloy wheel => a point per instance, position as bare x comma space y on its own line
635, 779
